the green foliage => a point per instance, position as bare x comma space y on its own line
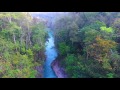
97, 24
108, 30
36, 47
6, 55
63, 48
110, 75
90, 35
70, 61
23, 50
20, 41
18, 66
93, 39
29, 52
106, 64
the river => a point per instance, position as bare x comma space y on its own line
51, 54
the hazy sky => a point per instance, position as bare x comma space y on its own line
45, 12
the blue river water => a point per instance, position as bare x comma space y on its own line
51, 54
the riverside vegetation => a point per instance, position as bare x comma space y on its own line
87, 43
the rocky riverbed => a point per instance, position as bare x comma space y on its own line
60, 73
39, 72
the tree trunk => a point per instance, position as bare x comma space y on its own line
87, 55
21, 40
29, 34
26, 42
14, 39
9, 19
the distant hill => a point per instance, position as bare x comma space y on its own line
46, 15
49, 16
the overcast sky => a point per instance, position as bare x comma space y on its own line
45, 12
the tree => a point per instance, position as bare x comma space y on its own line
63, 48
17, 52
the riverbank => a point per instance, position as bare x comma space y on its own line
60, 73
39, 71
51, 54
